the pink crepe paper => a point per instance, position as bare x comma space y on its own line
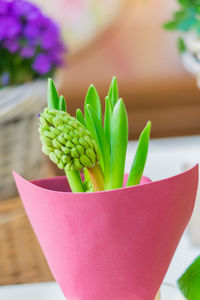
112, 245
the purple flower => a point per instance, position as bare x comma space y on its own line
25, 31
48, 40
46, 24
11, 44
5, 78
27, 52
3, 7
9, 27
32, 30
42, 64
25, 9
56, 58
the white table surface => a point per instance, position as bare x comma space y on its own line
167, 157
51, 291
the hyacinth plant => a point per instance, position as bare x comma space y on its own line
30, 43
90, 143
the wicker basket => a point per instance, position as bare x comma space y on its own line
20, 147
21, 259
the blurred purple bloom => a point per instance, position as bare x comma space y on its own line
25, 9
56, 58
27, 52
61, 47
31, 30
42, 64
48, 40
3, 7
46, 24
10, 26
24, 30
5, 77
11, 44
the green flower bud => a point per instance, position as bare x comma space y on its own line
80, 149
66, 141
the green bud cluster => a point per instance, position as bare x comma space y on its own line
66, 141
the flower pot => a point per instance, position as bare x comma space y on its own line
194, 224
114, 244
20, 147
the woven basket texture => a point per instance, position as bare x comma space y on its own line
20, 147
21, 259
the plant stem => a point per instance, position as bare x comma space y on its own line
75, 181
96, 176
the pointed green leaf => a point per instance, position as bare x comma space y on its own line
181, 45
92, 98
113, 92
119, 140
140, 158
102, 142
91, 127
171, 25
185, 2
62, 104
189, 283
80, 117
107, 118
52, 95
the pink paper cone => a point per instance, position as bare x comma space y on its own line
113, 245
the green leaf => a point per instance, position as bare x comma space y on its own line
107, 118
80, 117
52, 95
181, 14
113, 91
171, 25
91, 127
185, 2
62, 104
181, 45
198, 29
187, 24
186, 18
189, 283
140, 158
92, 98
197, 9
102, 142
119, 140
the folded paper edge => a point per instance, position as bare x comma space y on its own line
193, 170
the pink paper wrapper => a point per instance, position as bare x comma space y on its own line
112, 245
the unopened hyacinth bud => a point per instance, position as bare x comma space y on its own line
66, 141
